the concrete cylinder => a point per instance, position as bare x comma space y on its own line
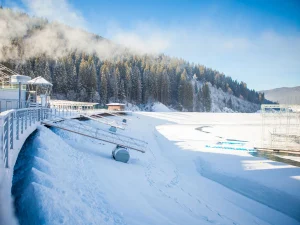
121, 154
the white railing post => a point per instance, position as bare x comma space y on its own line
17, 125
26, 115
11, 130
1, 143
5, 140
30, 116
22, 122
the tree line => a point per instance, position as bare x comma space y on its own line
133, 78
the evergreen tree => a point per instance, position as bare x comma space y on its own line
189, 94
206, 98
182, 88
60, 76
199, 101
39, 67
103, 94
136, 89
146, 85
165, 88
128, 83
122, 95
47, 74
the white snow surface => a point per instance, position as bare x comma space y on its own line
159, 107
74, 180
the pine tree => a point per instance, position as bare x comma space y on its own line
122, 95
165, 88
136, 89
182, 88
116, 80
146, 84
189, 94
152, 85
39, 67
206, 97
81, 76
60, 76
47, 74
199, 101
103, 95
128, 83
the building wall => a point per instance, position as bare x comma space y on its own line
9, 98
116, 107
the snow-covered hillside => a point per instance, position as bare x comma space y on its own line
64, 178
220, 101
224, 102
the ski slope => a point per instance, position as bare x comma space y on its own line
64, 178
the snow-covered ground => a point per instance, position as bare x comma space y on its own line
64, 178
149, 107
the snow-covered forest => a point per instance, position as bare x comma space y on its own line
87, 67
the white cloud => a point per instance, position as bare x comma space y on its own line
142, 38
57, 10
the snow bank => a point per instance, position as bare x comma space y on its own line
65, 178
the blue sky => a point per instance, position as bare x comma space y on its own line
254, 41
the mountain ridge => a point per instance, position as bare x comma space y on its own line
284, 95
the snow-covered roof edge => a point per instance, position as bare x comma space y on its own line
40, 80
120, 104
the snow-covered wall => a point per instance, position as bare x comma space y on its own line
9, 97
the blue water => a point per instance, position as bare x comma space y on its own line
230, 144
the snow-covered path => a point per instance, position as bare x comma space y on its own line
73, 180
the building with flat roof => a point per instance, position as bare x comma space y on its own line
116, 106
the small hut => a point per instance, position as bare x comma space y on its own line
39, 91
116, 106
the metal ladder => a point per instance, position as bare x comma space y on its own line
99, 134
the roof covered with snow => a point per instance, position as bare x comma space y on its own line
117, 104
40, 81
71, 103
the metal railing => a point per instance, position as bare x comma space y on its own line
14, 123
98, 133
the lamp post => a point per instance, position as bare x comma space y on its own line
19, 79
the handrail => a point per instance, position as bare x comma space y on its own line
13, 123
